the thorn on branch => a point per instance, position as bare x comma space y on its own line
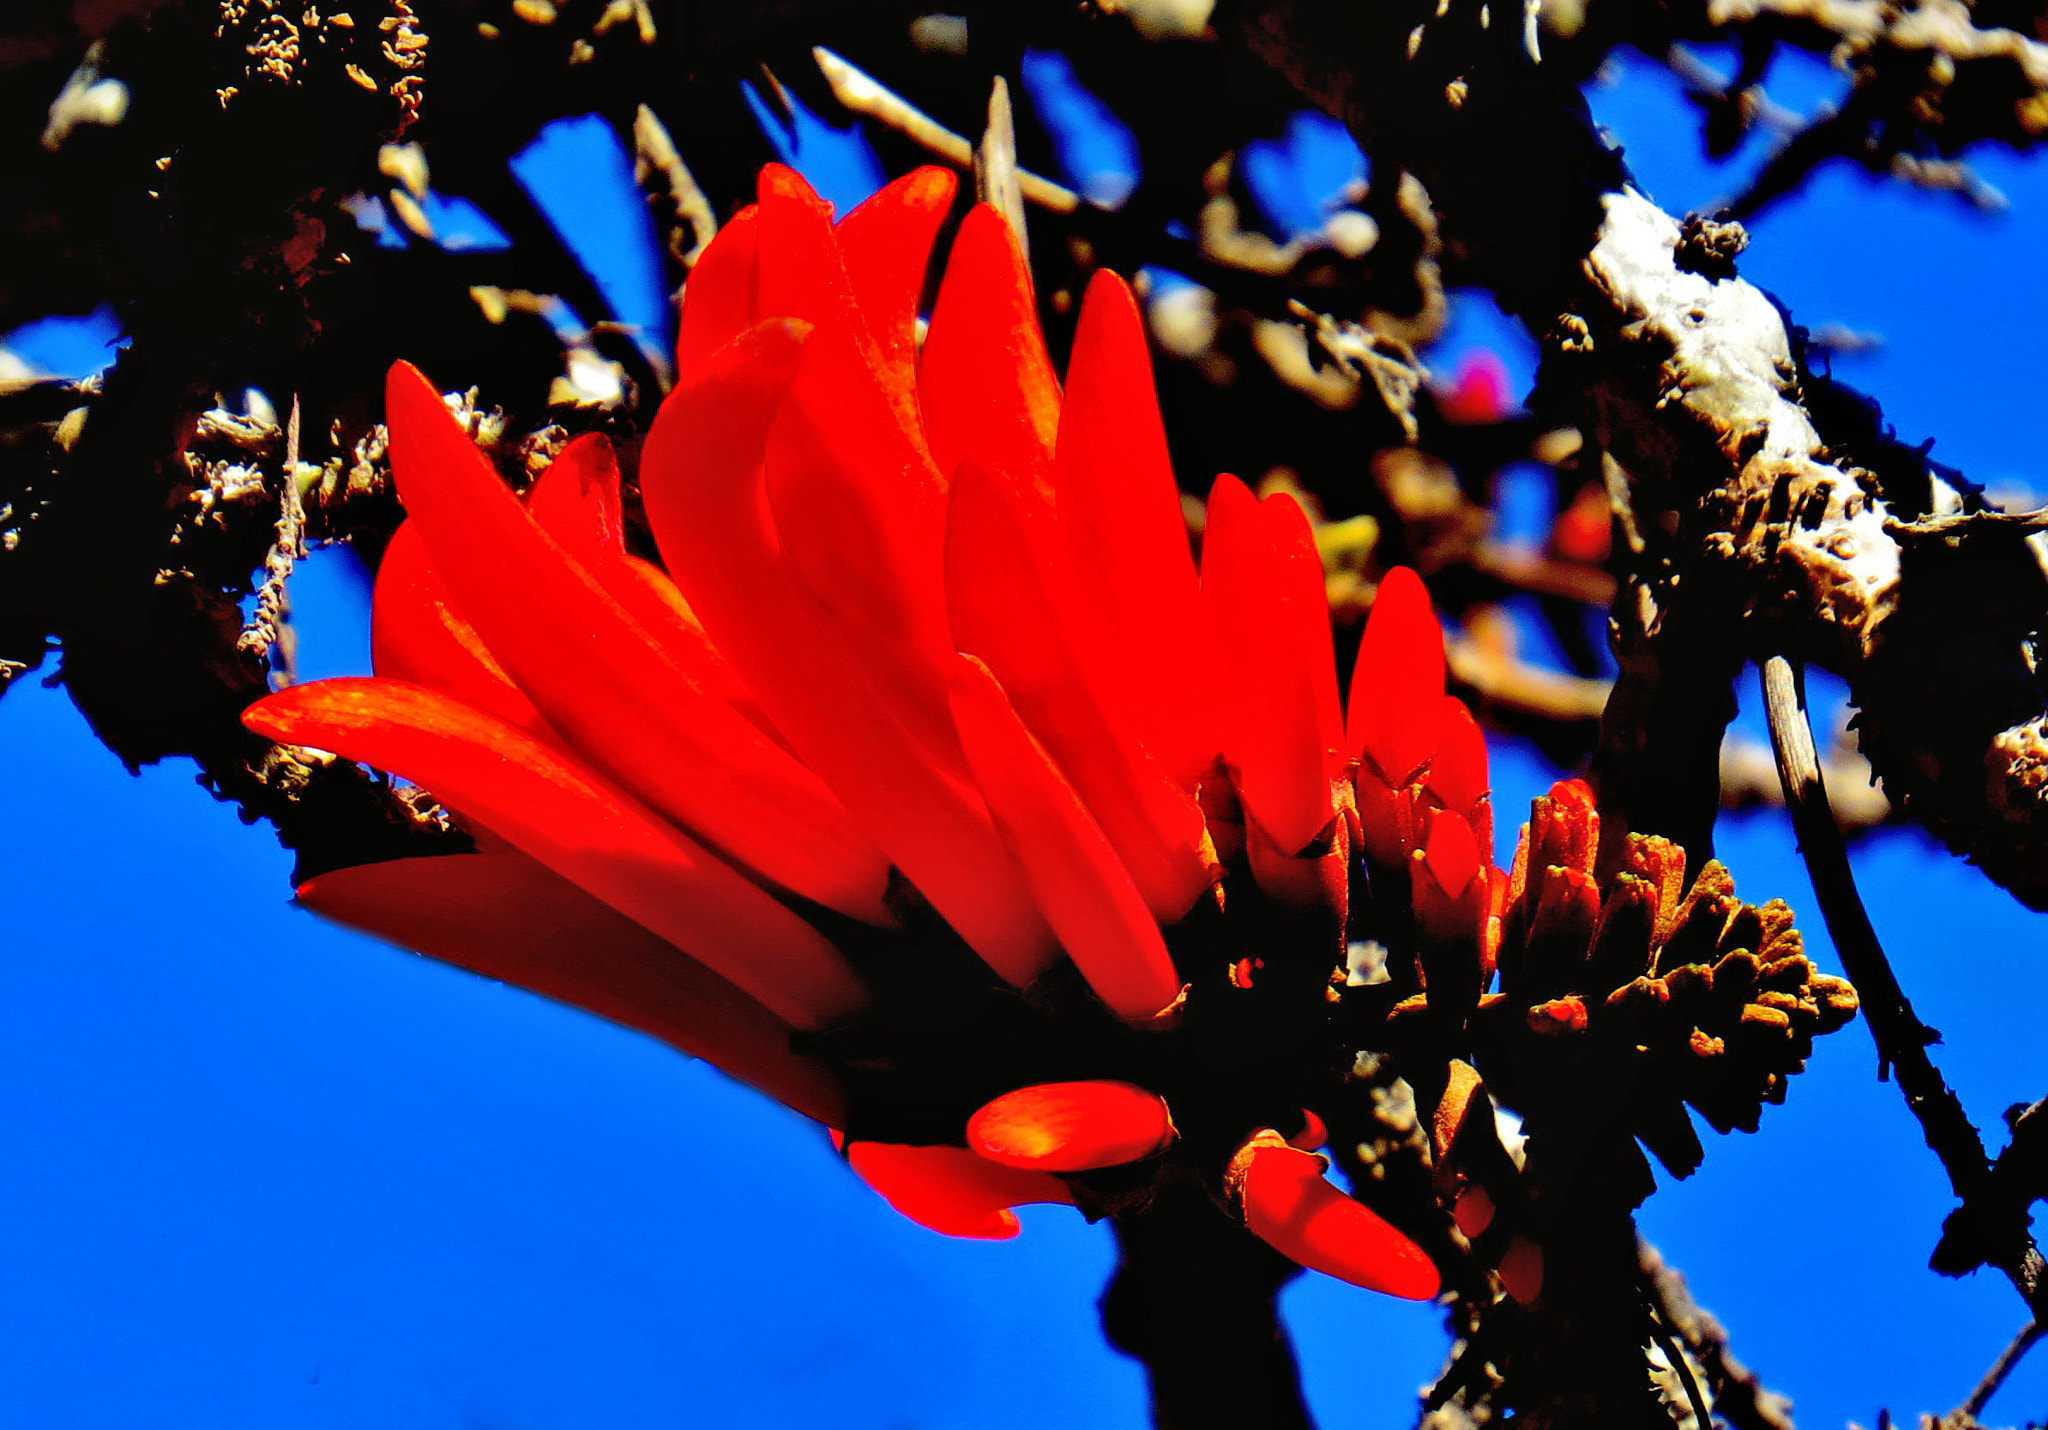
998, 182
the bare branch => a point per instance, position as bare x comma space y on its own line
1902, 1039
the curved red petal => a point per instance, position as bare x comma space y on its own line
1397, 688
576, 501
1264, 586
508, 917
702, 481
887, 244
603, 682
1291, 1207
718, 299
1120, 508
571, 820
1011, 601
1314, 1132
416, 634
1089, 900
1071, 1126
986, 386
950, 1189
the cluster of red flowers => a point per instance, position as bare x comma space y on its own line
928, 637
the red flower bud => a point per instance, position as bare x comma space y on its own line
1071, 1126
1291, 1207
1396, 710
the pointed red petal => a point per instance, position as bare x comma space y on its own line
986, 384
416, 634
1457, 771
950, 1189
600, 679
1120, 508
570, 819
1264, 587
887, 243
701, 477
576, 501
1071, 1126
1397, 688
801, 273
507, 917
1314, 1133
718, 301
1291, 1207
1011, 599
1450, 853
1089, 900
798, 271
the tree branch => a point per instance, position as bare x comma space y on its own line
1902, 1039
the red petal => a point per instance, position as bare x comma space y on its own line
861, 514
1087, 897
1397, 688
1289, 1205
1450, 853
950, 1189
1264, 586
1457, 771
1071, 1126
718, 300
1121, 510
801, 273
1313, 1132
887, 243
601, 680
576, 501
416, 634
569, 819
1011, 600
986, 384
507, 917
701, 478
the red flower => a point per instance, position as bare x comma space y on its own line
929, 638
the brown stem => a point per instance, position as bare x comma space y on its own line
1193, 1299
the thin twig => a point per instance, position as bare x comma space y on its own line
1681, 1366
2016, 524
864, 94
1740, 1396
1902, 1039
2008, 1359
655, 154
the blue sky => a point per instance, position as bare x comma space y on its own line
266, 1173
